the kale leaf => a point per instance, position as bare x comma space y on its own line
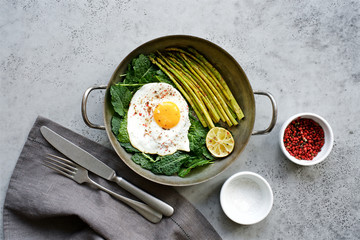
115, 124
196, 162
120, 99
169, 164
129, 148
119, 128
142, 160
123, 135
166, 165
197, 138
142, 71
162, 77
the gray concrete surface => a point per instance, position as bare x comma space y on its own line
306, 53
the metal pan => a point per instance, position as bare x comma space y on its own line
235, 78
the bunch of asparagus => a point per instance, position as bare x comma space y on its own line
201, 84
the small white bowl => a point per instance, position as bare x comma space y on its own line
246, 198
325, 150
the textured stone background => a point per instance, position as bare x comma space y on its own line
306, 53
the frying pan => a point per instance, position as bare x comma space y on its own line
237, 82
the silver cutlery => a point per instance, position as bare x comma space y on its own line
91, 163
80, 175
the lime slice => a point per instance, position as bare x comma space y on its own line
219, 142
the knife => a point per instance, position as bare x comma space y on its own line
91, 163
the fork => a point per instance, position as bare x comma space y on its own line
80, 175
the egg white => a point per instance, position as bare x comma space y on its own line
144, 133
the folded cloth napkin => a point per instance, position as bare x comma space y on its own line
42, 204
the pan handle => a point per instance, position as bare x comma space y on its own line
274, 113
83, 107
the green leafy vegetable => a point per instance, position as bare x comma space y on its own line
197, 138
169, 164
119, 128
120, 99
196, 162
115, 124
162, 77
123, 135
129, 148
206, 153
142, 71
142, 160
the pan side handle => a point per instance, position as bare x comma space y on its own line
274, 113
84, 103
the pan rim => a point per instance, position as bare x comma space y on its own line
116, 144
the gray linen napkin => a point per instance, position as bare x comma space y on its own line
41, 204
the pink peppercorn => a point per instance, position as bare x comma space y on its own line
304, 138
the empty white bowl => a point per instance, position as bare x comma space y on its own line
328, 135
246, 198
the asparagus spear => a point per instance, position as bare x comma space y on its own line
188, 98
206, 88
233, 102
183, 78
198, 59
197, 90
212, 71
230, 120
207, 99
204, 85
192, 93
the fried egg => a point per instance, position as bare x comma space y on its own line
158, 120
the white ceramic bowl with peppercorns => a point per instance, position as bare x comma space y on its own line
306, 139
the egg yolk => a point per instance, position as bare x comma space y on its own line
167, 115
